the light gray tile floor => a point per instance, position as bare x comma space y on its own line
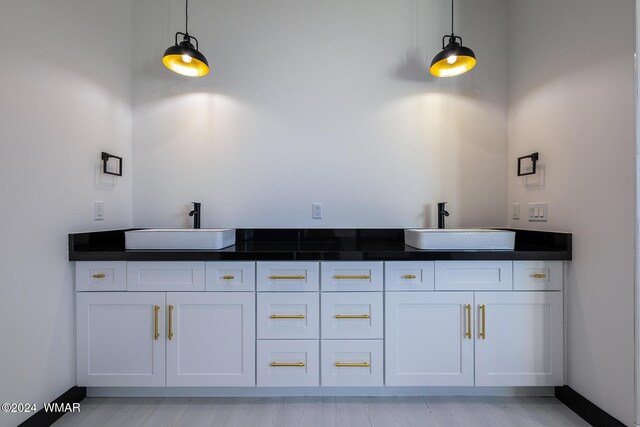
323, 412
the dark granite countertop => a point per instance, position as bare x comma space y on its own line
317, 245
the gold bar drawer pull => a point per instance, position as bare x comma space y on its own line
343, 277
286, 316
156, 334
409, 276
353, 365
287, 277
228, 277
352, 316
538, 276
99, 276
170, 334
287, 365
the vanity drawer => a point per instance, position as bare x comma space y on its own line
288, 315
181, 276
409, 275
352, 315
474, 275
538, 275
288, 363
231, 276
352, 363
287, 276
351, 276
101, 276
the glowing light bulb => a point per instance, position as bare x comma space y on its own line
186, 59
452, 59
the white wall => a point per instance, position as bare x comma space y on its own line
326, 102
572, 100
66, 89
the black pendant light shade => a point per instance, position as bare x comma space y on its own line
454, 59
184, 58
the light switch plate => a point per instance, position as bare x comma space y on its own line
537, 211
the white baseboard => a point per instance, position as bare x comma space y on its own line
314, 391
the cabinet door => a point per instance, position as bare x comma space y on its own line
428, 339
210, 339
120, 339
519, 339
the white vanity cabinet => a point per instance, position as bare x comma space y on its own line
481, 338
147, 339
319, 323
288, 324
352, 319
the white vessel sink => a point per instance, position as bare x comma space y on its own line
459, 238
180, 238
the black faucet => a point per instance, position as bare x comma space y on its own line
195, 213
441, 214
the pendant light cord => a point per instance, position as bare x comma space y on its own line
451, 17
186, 13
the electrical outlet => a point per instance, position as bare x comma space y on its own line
316, 211
98, 210
537, 211
515, 211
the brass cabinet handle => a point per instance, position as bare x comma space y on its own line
352, 316
287, 277
341, 277
352, 365
408, 276
286, 316
170, 334
282, 365
99, 276
538, 276
156, 334
483, 331
228, 277
468, 308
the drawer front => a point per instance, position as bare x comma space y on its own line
288, 315
287, 276
288, 363
231, 276
352, 363
165, 276
351, 276
409, 275
538, 275
352, 315
101, 276
474, 275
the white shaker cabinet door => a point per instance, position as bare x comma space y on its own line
519, 339
210, 339
429, 338
120, 339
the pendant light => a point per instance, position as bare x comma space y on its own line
454, 59
183, 58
